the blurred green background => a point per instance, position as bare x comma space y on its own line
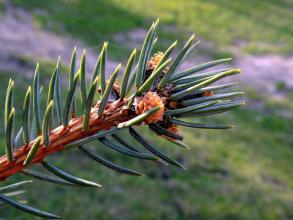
243, 173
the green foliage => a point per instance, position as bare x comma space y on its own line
89, 103
47, 123
32, 152
68, 177
108, 89
126, 75
145, 55
25, 116
1, 7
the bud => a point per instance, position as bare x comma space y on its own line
147, 102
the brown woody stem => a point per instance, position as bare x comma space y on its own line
61, 136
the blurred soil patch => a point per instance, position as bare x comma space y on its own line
20, 37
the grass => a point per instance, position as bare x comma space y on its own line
1, 7
249, 26
243, 173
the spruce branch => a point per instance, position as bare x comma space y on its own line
161, 96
